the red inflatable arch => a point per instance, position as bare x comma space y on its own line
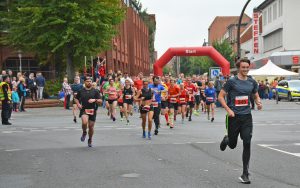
196, 51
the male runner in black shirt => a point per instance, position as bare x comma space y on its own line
238, 90
86, 100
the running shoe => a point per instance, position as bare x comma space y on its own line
171, 126
75, 120
182, 121
187, 115
245, 179
196, 113
190, 119
121, 119
168, 124
144, 134
127, 122
156, 132
208, 118
83, 136
224, 143
149, 135
114, 119
90, 143
212, 119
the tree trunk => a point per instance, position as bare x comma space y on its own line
70, 65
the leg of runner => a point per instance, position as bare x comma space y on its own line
113, 111
212, 112
150, 119
156, 116
144, 118
125, 110
208, 111
121, 112
75, 108
91, 132
183, 113
107, 105
171, 117
85, 119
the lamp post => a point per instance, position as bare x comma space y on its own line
20, 58
239, 31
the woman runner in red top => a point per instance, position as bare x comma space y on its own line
183, 98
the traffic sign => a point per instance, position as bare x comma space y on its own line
214, 72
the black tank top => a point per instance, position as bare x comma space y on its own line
127, 91
147, 94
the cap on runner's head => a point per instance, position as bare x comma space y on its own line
87, 78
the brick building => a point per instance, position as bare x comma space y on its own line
225, 28
129, 52
130, 48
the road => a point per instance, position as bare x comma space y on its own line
42, 149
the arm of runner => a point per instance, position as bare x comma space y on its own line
257, 101
221, 99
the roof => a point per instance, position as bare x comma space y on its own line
227, 19
264, 4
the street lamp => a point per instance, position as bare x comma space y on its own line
205, 43
20, 58
239, 31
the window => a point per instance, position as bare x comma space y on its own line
270, 14
273, 40
274, 11
265, 18
280, 8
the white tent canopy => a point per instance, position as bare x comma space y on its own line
270, 69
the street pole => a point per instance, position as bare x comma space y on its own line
239, 31
20, 58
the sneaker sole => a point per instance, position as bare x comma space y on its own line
244, 182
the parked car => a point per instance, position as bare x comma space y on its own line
288, 89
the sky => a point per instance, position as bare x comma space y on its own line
182, 23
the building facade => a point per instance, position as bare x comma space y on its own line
278, 38
129, 51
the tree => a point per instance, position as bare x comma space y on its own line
73, 29
200, 65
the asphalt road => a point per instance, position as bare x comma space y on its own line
42, 149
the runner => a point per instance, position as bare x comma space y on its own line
76, 87
112, 99
174, 92
86, 100
191, 101
146, 96
164, 101
128, 93
198, 85
118, 85
210, 95
239, 119
202, 96
183, 98
157, 88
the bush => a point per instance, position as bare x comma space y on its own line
52, 88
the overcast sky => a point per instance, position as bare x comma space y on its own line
186, 22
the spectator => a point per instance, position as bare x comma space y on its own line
32, 87
40, 82
68, 91
22, 93
15, 99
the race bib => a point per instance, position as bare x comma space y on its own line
173, 100
89, 111
128, 96
146, 108
182, 100
154, 104
210, 99
241, 101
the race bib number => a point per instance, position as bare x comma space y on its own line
128, 96
146, 108
89, 111
173, 100
210, 99
154, 104
182, 100
241, 101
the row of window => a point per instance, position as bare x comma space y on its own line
272, 12
273, 40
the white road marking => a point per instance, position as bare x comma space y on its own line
285, 152
297, 144
9, 132
205, 142
38, 130
60, 129
9, 150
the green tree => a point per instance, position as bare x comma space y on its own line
72, 29
196, 65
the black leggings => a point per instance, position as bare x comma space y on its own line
241, 125
156, 116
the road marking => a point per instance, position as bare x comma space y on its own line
38, 130
9, 132
123, 128
205, 142
297, 144
9, 150
285, 152
60, 129
179, 143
